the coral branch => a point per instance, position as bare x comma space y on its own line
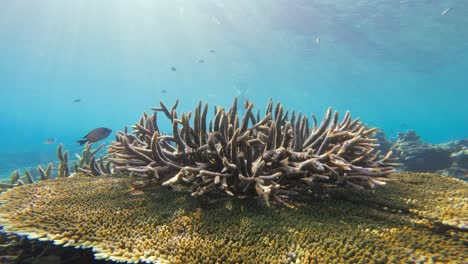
268, 156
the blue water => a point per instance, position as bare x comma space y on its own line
397, 64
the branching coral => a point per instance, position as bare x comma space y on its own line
274, 155
64, 169
87, 164
90, 165
27, 178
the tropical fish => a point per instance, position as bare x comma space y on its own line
242, 91
50, 141
446, 11
215, 20
95, 135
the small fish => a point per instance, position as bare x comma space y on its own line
212, 51
201, 61
173, 68
317, 40
77, 100
50, 141
163, 91
446, 11
215, 20
95, 135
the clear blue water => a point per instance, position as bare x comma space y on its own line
397, 64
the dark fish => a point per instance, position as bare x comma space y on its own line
95, 135
50, 141
77, 100
201, 61
163, 91
212, 51
173, 68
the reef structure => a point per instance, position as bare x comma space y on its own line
419, 218
273, 156
86, 163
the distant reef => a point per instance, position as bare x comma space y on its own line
448, 159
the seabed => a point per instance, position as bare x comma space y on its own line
418, 217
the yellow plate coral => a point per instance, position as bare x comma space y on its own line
419, 217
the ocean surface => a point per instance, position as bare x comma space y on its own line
67, 67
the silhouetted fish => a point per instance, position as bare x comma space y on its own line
163, 91
95, 135
201, 61
77, 100
173, 68
50, 141
212, 51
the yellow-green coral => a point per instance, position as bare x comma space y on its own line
420, 217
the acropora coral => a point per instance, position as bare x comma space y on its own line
87, 164
274, 156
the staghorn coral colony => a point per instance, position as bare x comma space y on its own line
271, 155
415, 218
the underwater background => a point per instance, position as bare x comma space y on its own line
67, 67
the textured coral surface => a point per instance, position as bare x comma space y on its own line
419, 217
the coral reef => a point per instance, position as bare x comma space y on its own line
460, 153
14, 249
273, 156
90, 165
419, 156
385, 145
64, 168
86, 164
19, 249
459, 157
27, 178
416, 218
450, 159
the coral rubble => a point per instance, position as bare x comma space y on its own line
274, 156
417, 218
